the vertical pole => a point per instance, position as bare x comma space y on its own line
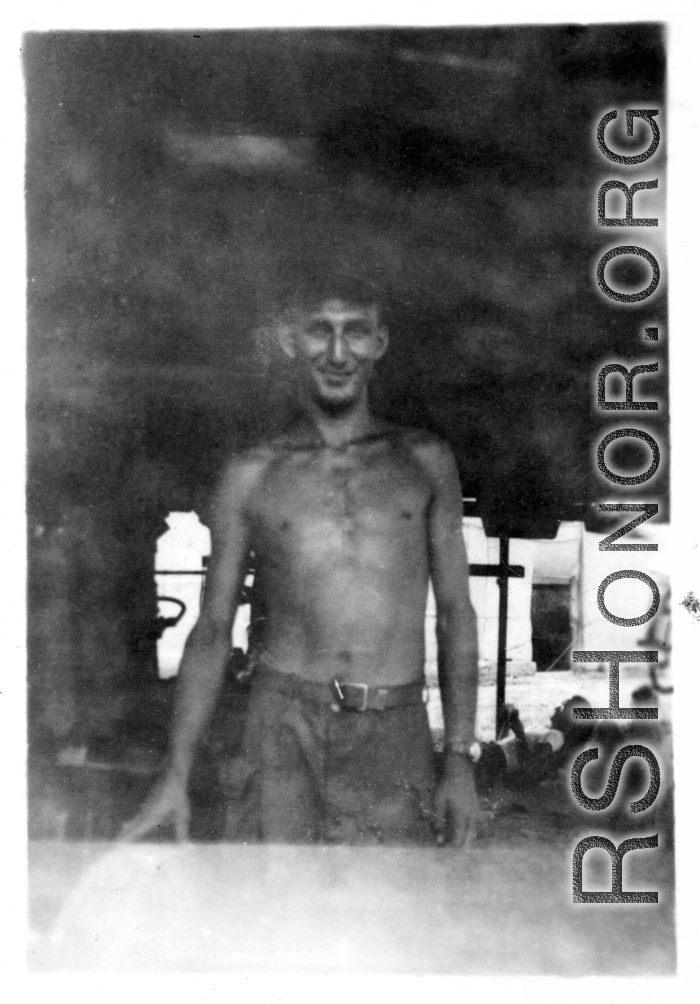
502, 634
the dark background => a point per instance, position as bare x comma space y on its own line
456, 168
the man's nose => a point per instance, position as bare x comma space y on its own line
338, 348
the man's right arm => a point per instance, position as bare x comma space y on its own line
207, 649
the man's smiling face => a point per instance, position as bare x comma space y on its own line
335, 346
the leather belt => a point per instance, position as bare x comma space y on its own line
340, 695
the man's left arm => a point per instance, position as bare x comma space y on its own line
456, 801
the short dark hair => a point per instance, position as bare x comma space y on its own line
314, 288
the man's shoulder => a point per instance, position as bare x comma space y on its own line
430, 450
252, 457
435, 459
248, 466
244, 468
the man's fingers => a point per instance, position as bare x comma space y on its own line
146, 821
439, 818
471, 830
458, 828
182, 826
138, 827
131, 830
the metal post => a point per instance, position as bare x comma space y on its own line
502, 634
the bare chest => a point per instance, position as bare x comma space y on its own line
331, 500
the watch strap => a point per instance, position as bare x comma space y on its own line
468, 751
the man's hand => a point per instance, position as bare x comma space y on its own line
167, 803
456, 804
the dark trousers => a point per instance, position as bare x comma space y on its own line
311, 773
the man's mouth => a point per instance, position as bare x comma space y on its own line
336, 378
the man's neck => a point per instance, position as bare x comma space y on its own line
339, 429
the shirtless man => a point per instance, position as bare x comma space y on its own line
348, 518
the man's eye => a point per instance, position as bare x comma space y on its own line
357, 330
320, 329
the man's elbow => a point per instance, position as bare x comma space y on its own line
456, 615
211, 634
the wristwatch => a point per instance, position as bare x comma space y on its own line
469, 751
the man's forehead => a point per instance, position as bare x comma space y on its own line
338, 309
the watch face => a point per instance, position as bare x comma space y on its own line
475, 752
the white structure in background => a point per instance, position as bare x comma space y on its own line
574, 558
183, 549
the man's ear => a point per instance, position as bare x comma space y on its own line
285, 335
382, 342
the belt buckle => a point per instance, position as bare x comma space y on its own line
341, 687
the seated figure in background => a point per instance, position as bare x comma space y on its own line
526, 758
